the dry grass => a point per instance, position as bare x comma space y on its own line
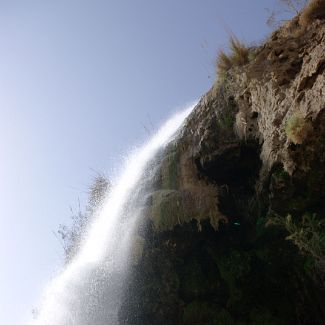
239, 56
223, 61
297, 128
315, 9
240, 53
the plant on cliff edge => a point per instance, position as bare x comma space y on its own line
308, 235
297, 128
314, 9
239, 56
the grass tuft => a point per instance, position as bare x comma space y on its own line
239, 56
240, 53
297, 128
223, 61
315, 9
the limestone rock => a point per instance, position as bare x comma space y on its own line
208, 256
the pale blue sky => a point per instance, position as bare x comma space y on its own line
78, 80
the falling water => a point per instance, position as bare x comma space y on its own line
89, 289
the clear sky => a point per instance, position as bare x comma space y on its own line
81, 81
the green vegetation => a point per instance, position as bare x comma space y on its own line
261, 316
297, 128
308, 235
227, 120
322, 140
233, 267
198, 312
282, 174
226, 116
71, 237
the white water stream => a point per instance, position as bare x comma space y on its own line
88, 291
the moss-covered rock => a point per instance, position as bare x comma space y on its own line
169, 170
167, 209
234, 266
200, 312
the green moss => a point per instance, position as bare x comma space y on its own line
202, 312
322, 139
227, 120
199, 312
234, 266
169, 170
224, 318
193, 281
299, 203
197, 281
260, 226
292, 195
226, 116
309, 265
261, 316
167, 209
281, 174
314, 184
263, 254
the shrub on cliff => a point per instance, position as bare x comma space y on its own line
308, 235
315, 9
239, 56
297, 128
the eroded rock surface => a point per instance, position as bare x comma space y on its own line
207, 256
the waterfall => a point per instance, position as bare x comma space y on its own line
88, 290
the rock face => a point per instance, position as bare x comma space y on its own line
252, 149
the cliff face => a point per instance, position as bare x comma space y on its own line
251, 153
